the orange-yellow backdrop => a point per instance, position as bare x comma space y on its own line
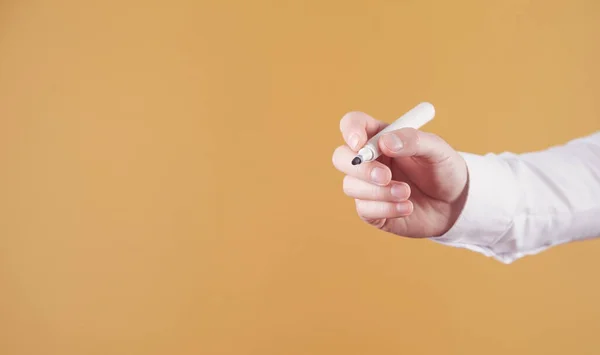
167, 186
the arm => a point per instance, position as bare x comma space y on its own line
519, 205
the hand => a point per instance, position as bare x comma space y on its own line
417, 188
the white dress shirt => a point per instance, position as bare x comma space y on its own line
522, 204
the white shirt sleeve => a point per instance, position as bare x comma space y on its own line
521, 204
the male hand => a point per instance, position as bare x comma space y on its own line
417, 188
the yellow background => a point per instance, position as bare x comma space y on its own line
166, 183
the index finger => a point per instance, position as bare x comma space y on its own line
358, 127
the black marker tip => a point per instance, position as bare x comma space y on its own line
356, 161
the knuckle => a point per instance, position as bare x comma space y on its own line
431, 138
408, 130
376, 191
349, 119
346, 185
344, 121
378, 223
434, 137
382, 209
335, 158
360, 208
434, 140
375, 222
409, 135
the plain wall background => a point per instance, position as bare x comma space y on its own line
139, 216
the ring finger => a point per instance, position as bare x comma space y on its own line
360, 189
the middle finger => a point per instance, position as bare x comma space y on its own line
374, 171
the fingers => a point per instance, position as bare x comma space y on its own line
378, 210
358, 127
374, 172
360, 189
375, 204
409, 142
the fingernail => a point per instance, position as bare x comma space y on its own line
392, 142
378, 176
398, 191
353, 141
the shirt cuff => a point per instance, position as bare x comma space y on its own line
489, 208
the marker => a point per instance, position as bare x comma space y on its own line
416, 118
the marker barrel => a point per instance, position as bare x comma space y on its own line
416, 118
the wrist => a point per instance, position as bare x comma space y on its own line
484, 210
458, 205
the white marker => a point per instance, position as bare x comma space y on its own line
417, 117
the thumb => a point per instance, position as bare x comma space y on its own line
409, 142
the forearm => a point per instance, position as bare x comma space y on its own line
522, 204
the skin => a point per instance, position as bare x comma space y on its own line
418, 186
